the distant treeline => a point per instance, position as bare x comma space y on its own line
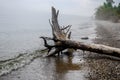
108, 11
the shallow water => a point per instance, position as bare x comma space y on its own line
25, 40
63, 68
20, 37
80, 66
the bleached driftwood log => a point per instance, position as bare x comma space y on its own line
61, 38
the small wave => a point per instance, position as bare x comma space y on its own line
21, 60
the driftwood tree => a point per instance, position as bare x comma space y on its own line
59, 33
61, 38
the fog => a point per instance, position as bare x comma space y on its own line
28, 7
74, 7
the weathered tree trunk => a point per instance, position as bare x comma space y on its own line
61, 38
59, 32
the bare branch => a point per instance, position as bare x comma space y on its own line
58, 50
57, 13
45, 42
69, 35
66, 27
50, 24
48, 38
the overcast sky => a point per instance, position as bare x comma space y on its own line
70, 7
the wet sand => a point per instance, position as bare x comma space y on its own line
80, 66
108, 33
104, 67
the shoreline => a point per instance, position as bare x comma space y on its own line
84, 65
105, 67
73, 66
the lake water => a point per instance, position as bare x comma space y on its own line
20, 34
20, 46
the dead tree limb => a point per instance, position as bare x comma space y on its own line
62, 40
58, 33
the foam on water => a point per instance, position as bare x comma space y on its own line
19, 61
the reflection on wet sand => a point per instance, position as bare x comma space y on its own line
53, 68
65, 65
67, 70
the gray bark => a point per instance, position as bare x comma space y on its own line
61, 38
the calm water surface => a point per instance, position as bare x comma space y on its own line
23, 37
19, 36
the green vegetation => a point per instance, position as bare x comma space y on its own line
108, 11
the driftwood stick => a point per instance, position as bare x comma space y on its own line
69, 35
57, 13
66, 27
